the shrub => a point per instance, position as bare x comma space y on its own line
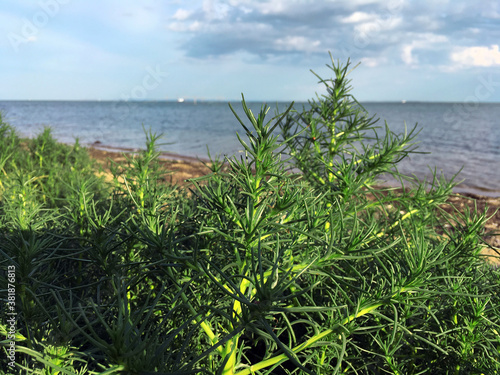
287, 259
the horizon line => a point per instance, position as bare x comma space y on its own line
196, 100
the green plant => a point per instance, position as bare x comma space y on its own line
334, 141
286, 259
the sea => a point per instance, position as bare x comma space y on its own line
453, 138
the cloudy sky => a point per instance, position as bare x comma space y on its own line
424, 50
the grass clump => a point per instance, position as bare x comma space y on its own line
260, 269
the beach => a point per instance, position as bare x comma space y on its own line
468, 146
184, 168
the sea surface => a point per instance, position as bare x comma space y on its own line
455, 136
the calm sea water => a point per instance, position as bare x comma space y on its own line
455, 134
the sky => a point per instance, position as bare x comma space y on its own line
218, 49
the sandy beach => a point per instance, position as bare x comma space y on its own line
184, 168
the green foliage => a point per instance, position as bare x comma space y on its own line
334, 142
268, 265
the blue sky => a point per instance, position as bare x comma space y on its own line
217, 49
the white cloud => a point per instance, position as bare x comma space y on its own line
407, 55
477, 56
355, 3
372, 62
297, 43
265, 7
378, 24
241, 2
246, 10
215, 10
358, 17
428, 22
274, 7
181, 14
184, 27
370, 23
421, 41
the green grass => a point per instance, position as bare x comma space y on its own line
258, 269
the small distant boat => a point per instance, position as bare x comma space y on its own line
180, 100
403, 101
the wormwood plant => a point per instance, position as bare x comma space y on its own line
334, 141
312, 276
259, 270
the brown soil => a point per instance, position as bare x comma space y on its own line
184, 168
